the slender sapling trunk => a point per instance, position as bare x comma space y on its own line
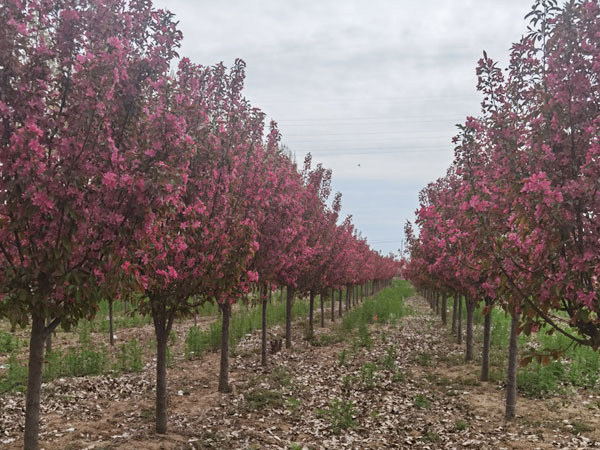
511, 375
224, 366
485, 353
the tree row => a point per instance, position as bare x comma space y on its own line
515, 222
123, 178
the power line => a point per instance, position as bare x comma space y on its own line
368, 133
346, 99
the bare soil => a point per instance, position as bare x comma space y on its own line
431, 400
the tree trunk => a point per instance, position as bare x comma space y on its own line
281, 295
485, 353
161, 381
444, 312
454, 313
49, 338
34, 382
332, 304
224, 368
511, 375
163, 321
340, 303
470, 304
288, 316
196, 317
263, 359
348, 297
110, 322
322, 310
459, 319
311, 312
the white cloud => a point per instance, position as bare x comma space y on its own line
379, 83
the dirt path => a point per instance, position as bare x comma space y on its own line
419, 394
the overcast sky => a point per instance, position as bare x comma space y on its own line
373, 89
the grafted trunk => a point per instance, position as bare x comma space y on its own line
321, 299
34, 382
485, 353
470, 304
348, 289
288, 316
459, 319
224, 366
444, 312
332, 304
311, 311
110, 322
340, 303
511, 374
263, 359
454, 313
163, 322
161, 382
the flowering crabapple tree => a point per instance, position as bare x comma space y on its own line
529, 170
75, 78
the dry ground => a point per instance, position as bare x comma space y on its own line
431, 400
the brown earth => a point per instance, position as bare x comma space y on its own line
431, 399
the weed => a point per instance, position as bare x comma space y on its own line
468, 382
363, 336
460, 425
8, 342
430, 436
423, 359
343, 358
293, 404
367, 375
347, 381
421, 402
261, 398
15, 378
76, 362
389, 361
384, 337
281, 376
341, 413
398, 377
242, 322
325, 340
294, 446
580, 427
129, 358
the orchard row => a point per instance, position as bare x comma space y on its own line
122, 178
515, 223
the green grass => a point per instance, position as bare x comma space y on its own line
385, 307
578, 367
421, 402
341, 414
9, 342
262, 398
85, 358
243, 321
